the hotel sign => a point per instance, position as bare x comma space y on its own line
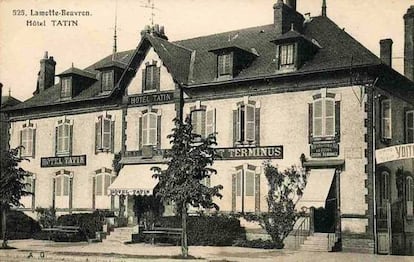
269, 152
151, 98
324, 150
394, 153
60, 161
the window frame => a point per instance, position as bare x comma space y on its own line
62, 178
103, 183
409, 195
67, 126
150, 86
66, 87
146, 129
242, 124
323, 117
408, 138
27, 140
225, 64
107, 80
287, 54
384, 119
102, 120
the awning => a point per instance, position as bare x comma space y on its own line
133, 180
317, 188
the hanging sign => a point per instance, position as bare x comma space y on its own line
394, 153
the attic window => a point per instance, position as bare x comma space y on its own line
225, 64
151, 78
287, 54
107, 80
66, 87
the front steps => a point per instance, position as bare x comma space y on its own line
318, 242
119, 235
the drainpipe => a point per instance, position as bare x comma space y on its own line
374, 201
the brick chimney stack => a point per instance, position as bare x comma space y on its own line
386, 51
46, 77
284, 15
409, 43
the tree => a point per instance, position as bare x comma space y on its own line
285, 188
12, 185
191, 158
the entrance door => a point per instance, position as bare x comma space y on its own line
324, 217
383, 212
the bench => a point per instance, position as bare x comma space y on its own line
163, 232
65, 231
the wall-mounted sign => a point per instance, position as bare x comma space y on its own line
275, 152
131, 192
394, 153
324, 150
63, 161
151, 98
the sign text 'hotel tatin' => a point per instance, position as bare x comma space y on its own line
59, 161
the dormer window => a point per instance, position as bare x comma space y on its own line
107, 80
225, 64
286, 54
66, 87
151, 77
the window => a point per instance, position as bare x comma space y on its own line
66, 87
28, 180
225, 64
203, 121
107, 80
246, 189
149, 129
104, 133
409, 127
409, 195
385, 187
245, 124
151, 77
27, 140
64, 137
62, 185
386, 129
324, 117
102, 182
286, 54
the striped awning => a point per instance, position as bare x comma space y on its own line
317, 188
134, 180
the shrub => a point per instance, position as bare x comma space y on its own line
203, 230
46, 216
20, 226
89, 223
257, 243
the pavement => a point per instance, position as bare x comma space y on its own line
40, 250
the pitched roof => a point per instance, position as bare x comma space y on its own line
77, 71
192, 63
7, 101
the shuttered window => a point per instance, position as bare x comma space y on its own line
151, 78
409, 127
409, 195
239, 182
104, 132
28, 180
246, 124
102, 182
27, 141
66, 87
149, 129
107, 80
63, 138
250, 175
386, 129
225, 64
62, 185
324, 117
198, 121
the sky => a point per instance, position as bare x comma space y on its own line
22, 46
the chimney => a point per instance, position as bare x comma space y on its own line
409, 43
46, 77
386, 51
291, 4
285, 15
324, 8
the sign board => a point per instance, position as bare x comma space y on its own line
275, 152
394, 153
151, 98
324, 150
63, 161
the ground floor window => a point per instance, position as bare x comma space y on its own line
246, 189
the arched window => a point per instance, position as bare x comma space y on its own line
409, 195
385, 190
149, 129
102, 182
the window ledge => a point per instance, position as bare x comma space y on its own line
149, 91
246, 144
103, 151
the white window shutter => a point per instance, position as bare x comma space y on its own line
250, 183
317, 118
211, 121
250, 122
145, 129
152, 139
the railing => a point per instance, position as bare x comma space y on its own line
302, 231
